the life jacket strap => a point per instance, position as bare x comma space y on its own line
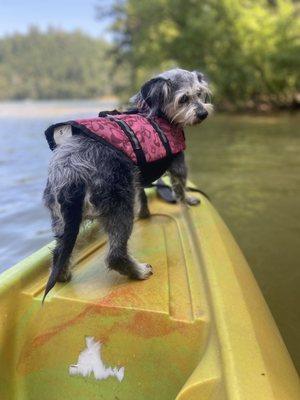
135, 143
162, 136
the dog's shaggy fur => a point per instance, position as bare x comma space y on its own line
88, 179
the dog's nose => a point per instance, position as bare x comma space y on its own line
201, 115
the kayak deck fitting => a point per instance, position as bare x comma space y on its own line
199, 328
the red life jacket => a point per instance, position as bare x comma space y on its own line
150, 143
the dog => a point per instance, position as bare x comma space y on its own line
88, 179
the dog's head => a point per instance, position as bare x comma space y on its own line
183, 97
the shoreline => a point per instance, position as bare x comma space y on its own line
62, 107
54, 108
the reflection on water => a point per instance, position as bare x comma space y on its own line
249, 165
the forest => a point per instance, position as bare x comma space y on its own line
53, 65
249, 50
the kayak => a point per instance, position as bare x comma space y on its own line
199, 328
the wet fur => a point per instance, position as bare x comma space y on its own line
90, 180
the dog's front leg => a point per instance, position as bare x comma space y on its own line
178, 175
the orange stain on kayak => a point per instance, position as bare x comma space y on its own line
100, 307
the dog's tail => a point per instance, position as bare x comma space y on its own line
51, 281
71, 207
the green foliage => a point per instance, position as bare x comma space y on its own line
249, 49
54, 64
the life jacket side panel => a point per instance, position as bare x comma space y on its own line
174, 134
111, 132
146, 134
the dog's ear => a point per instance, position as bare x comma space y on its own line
156, 92
200, 76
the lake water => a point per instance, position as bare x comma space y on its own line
249, 165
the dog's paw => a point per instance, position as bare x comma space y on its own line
142, 271
192, 201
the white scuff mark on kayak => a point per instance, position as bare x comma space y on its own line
89, 361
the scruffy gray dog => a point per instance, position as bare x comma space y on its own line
88, 179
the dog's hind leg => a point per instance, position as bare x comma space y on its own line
118, 227
66, 230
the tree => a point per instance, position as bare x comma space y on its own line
55, 64
249, 50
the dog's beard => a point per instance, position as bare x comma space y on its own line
186, 115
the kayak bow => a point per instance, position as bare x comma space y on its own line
199, 328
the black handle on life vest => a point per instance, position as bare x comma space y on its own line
116, 112
106, 113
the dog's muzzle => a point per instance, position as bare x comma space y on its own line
201, 115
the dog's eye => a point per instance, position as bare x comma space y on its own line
204, 97
207, 98
183, 99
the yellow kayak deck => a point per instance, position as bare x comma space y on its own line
199, 328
